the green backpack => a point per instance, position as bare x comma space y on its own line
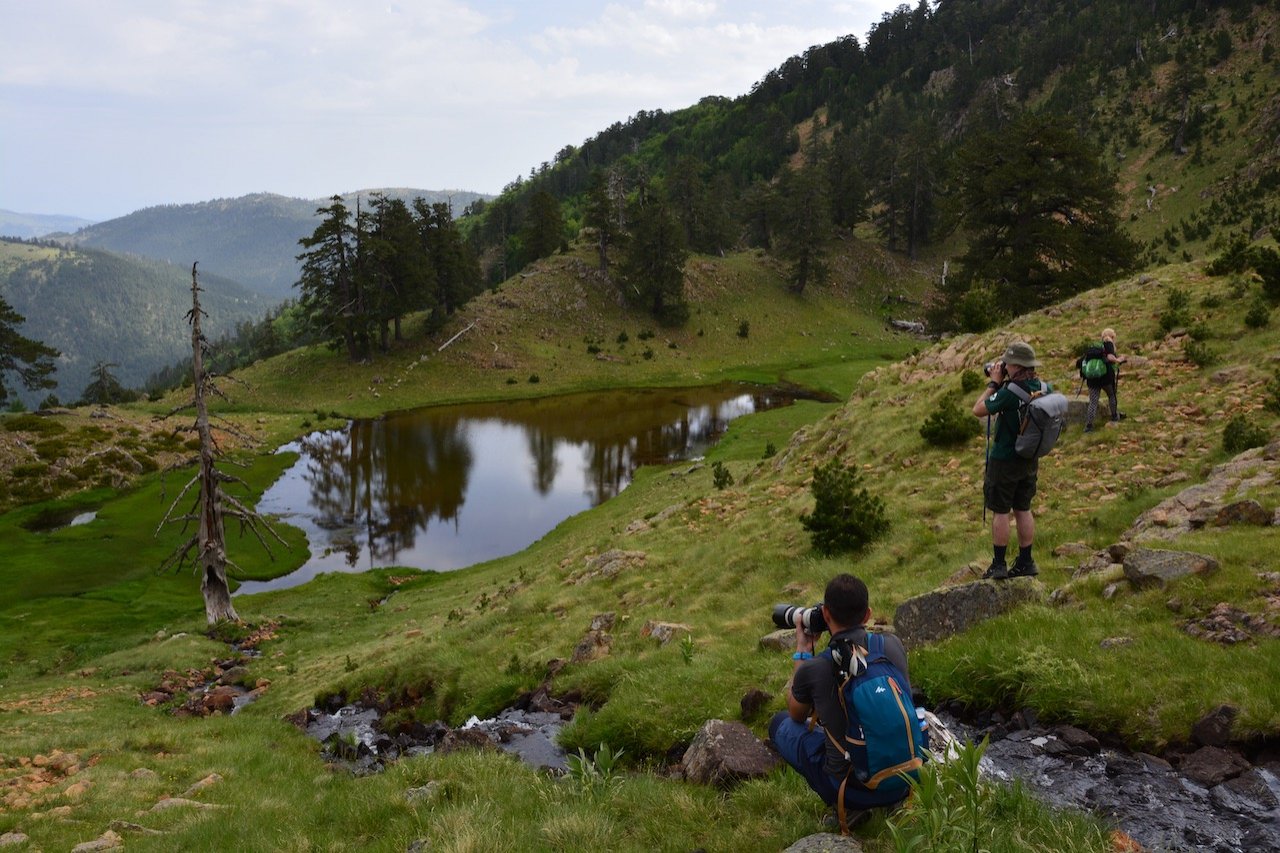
1093, 364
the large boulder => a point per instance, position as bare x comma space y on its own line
1156, 567
724, 753
1212, 765
944, 612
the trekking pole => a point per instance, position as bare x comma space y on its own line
986, 460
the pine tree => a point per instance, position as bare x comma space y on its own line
544, 231
805, 222
653, 267
1041, 209
31, 360
328, 284
605, 213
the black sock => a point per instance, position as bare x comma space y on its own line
1000, 549
1024, 555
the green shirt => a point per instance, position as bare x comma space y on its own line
1004, 404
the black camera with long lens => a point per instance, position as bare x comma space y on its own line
989, 366
793, 616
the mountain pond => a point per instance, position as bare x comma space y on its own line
446, 487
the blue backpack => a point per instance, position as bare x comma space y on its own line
883, 741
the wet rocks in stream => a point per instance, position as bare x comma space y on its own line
1209, 798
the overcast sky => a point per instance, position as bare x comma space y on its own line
108, 106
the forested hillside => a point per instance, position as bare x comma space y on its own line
252, 239
1170, 106
94, 306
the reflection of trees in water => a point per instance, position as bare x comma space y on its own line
388, 482
542, 450
379, 484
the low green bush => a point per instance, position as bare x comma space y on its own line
845, 517
949, 425
1240, 434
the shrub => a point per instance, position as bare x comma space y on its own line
1258, 315
648, 353
970, 381
744, 329
948, 425
1177, 311
720, 475
1240, 434
1272, 401
33, 423
622, 337
534, 379
770, 450
845, 516
1197, 352
645, 334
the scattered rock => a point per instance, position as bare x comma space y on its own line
942, 613
135, 828
1152, 566
1242, 512
208, 781
1079, 740
780, 640
460, 739
1113, 642
1214, 728
608, 564
1212, 765
826, 842
12, 839
144, 773
724, 753
424, 793
664, 632
181, 803
108, 840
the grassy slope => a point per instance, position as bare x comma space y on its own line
74, 666
468, 642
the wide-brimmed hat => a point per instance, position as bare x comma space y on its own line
1021, 354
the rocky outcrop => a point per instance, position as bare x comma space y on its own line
942, 613
1218, 501
724, 753
597, 642
664, 632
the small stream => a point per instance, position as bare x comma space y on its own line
351, 736
1141, 794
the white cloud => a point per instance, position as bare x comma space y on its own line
311, 96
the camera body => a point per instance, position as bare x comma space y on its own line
808, 619
990, 365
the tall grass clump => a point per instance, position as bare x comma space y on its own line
951, 808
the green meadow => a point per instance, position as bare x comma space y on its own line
89, 625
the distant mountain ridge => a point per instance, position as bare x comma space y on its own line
252, 239
29, 225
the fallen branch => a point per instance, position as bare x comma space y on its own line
455, 337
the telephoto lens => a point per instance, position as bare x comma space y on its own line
808, 619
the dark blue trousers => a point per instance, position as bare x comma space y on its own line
806, 751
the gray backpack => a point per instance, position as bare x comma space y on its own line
1043, 414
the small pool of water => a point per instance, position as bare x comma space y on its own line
443, 488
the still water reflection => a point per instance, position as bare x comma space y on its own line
448, 487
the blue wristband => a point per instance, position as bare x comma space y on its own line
802, 656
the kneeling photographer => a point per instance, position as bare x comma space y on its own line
867, 740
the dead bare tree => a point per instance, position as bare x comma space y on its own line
207, 548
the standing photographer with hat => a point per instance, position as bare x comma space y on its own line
1009, 483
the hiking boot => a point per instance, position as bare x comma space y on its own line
996, 572
1024, 570
1118, 418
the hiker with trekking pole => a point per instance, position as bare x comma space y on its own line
1099, 368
